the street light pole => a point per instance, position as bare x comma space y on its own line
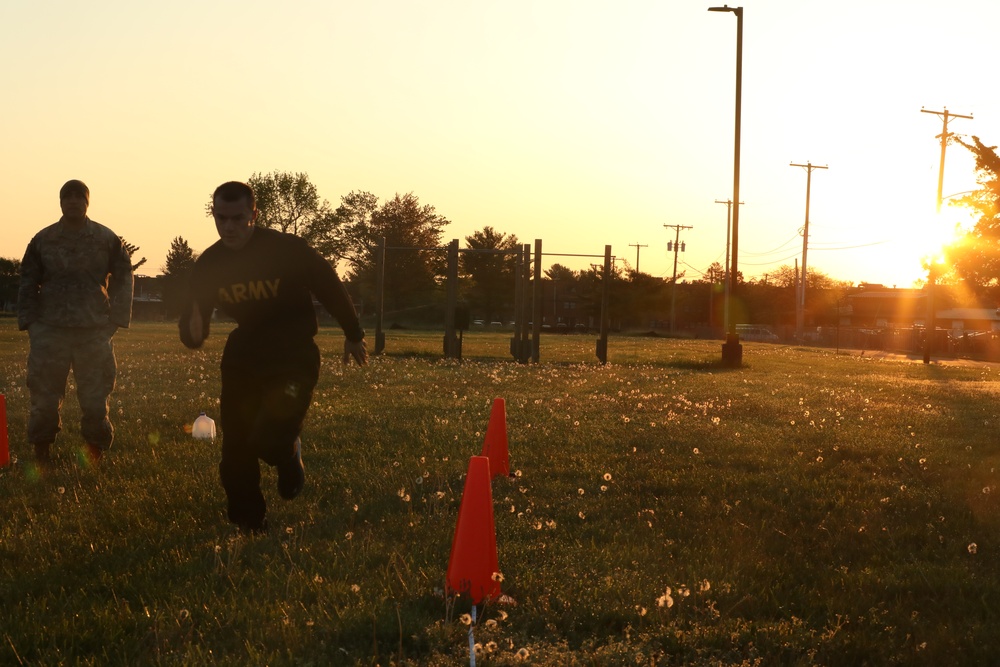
732, 350
725, 275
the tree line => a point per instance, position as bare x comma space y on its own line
350, 234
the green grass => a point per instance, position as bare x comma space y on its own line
806, 509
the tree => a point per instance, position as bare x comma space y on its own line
975, 258
787, 275
131, 250
558, 272
491, 270
645, 299
10, 282
715, 274
180, 260
413, 232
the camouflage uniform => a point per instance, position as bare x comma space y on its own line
76, 289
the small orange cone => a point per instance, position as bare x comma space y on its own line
495, 443
473, 568
4, 442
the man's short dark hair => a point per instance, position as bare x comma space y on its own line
235, 191
74, 187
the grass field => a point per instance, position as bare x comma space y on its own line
806, 509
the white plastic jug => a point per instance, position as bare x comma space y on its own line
203, 428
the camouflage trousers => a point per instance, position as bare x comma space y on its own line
91, 355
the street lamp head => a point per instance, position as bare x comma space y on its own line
727, 8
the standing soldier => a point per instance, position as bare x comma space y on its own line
76, 290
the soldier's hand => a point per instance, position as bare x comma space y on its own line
196, 325
358, 351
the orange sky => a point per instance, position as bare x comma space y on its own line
579, 123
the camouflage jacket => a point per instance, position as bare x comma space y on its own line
75, 279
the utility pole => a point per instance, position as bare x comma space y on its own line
944, 115
729, 217
931, 277
676, 247
637, 246
800, 302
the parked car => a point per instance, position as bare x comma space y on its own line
754, 332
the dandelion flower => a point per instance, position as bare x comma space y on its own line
522, 654
355, 588
973, 548
465, 619
580, 491
349, 535
582, 515
497, 576
604, 488
665, 600
607, 477
696, 451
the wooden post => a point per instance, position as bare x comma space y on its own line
452, 348
602, 342
380, 296
536, 303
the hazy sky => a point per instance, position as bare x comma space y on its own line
581, 123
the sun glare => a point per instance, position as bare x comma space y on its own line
926, 238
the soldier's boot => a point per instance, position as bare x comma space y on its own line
43, 456
93, 453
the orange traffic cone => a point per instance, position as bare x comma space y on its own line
4, 442
473, 568
495, 443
